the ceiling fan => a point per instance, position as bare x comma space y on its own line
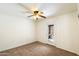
36, 14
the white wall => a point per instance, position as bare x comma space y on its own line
66, 31
15, 31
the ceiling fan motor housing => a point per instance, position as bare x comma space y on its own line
36, 12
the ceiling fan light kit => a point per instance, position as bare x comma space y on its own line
35, 13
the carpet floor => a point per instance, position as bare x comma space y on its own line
36, 49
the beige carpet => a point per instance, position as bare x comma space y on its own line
36, 49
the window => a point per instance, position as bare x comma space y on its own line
50, 31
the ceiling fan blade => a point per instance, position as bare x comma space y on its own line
26, 8
30, 16
42, 16
41, 12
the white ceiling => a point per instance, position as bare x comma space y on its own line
49, 9
53, 9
